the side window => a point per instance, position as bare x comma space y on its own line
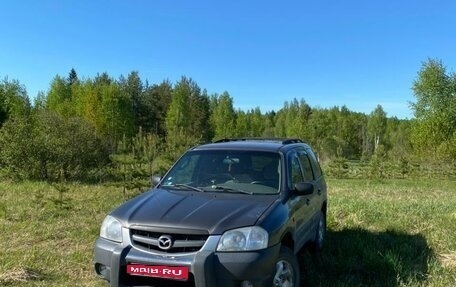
295, 171
315, 164
306, 166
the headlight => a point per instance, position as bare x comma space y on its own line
111, 229
243, 239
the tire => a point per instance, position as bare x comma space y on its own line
286, 272
320, 232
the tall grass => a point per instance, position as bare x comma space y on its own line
390, 233
47, 243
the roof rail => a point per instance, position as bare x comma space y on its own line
281, 140
290, 141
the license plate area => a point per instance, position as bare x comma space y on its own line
168, 272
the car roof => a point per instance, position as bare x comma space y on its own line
257, 144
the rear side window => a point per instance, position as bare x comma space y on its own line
315, 165
306, 167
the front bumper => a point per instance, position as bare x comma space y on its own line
207, 268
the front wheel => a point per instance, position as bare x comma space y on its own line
286, 269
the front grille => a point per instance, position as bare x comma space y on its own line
181, 243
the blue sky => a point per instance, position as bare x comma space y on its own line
329, 53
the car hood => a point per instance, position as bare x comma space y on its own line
204, 211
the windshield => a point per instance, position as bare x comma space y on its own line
246, 172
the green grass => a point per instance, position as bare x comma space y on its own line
46, 242
391, 233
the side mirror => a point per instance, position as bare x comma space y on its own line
304, 188
154, 180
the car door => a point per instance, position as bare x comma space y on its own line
300, 205
309, 173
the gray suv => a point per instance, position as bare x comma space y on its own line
230, 213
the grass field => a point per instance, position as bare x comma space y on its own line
391, 233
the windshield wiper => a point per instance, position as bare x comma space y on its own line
233, 190
188, 187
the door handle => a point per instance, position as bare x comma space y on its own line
319, 191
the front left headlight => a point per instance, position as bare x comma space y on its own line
111, 229
244, 239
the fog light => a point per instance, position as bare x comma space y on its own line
246, 284
101, 269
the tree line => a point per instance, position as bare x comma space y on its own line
125, 128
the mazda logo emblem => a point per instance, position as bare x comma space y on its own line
165, 242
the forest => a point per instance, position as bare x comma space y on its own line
126, 129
